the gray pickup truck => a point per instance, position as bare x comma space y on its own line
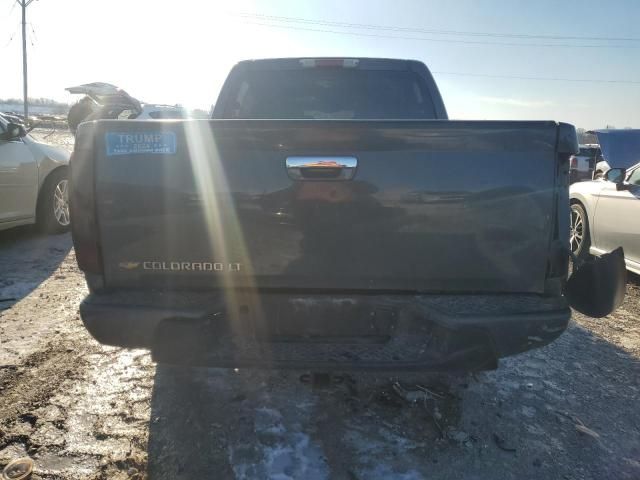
329, 216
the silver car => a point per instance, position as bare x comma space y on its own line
34, 186
605, 214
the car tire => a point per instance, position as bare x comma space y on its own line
579, 239
52, 213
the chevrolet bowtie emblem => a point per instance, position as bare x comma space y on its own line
129, 265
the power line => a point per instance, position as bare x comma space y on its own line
33, 31
513, 77
10, 39
12, 36
552, 79
13, 6
431, 31
465, 42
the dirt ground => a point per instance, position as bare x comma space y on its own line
570, 410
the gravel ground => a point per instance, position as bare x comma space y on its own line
81, 410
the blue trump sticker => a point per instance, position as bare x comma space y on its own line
128, 143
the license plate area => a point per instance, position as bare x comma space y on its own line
325, 320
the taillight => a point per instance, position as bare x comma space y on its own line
573, 162
82, 202
88, 257
329, 62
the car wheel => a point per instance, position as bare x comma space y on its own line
53, 203
579, 232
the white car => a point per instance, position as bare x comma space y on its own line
605, 214
34, 186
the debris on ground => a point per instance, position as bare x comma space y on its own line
587, 431
411, 396
502, 444
420, 393
457, 435
579, 425
19, 469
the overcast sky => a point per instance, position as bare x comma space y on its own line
180, 52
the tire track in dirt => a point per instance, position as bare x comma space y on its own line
31, 385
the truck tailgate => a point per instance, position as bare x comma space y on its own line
446, 206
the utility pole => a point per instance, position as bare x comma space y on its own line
24, 4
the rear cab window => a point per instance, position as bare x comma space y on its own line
589, 152
329, 93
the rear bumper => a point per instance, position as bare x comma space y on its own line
323, 331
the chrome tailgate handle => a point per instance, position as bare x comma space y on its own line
321, 168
